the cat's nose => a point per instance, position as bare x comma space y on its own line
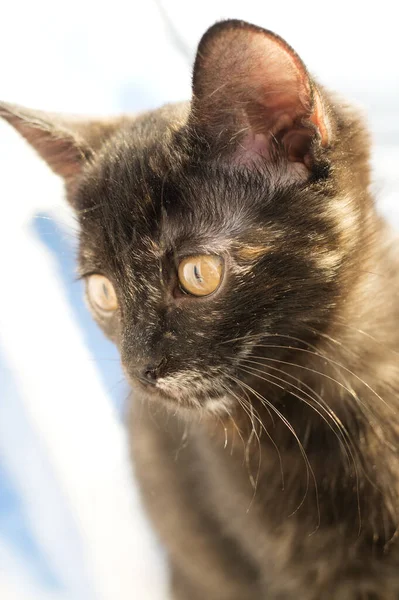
150, 374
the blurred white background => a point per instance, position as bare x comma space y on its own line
71, 523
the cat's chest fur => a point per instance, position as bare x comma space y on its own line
254, 528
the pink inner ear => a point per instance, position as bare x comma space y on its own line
252, 146
255, 147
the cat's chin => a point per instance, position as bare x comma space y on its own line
178, 399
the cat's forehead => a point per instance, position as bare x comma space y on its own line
147, 177
153, 130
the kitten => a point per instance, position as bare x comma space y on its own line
232, 250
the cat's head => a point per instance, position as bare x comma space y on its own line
212, 229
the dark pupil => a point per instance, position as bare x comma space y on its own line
105, 291
197, 274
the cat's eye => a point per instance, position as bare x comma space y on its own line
102, 293
200, 275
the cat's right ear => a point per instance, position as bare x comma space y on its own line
65, 143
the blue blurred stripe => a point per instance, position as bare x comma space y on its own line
103, 351
15, 529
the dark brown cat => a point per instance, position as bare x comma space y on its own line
233, 252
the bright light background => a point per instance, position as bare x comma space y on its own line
71, 523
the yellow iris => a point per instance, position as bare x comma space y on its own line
200, 275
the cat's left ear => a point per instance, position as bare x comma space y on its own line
65, 143
253, 98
